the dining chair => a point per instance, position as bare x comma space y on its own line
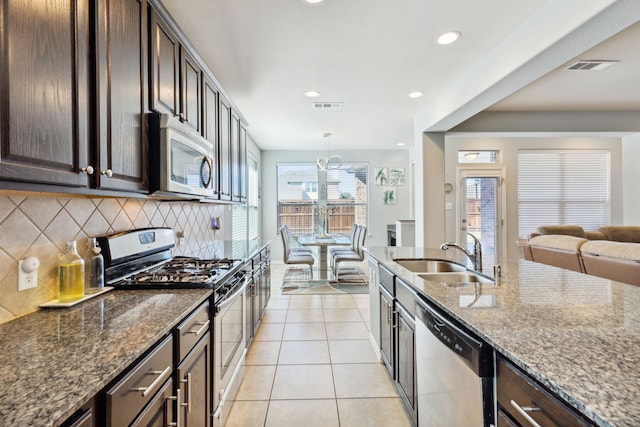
295, 258
355, 234
296, 250
351, 256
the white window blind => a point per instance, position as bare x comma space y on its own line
562, 187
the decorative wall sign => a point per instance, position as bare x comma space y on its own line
381, 176
389, 195
396, 176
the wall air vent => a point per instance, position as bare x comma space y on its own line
591, 65
326, 105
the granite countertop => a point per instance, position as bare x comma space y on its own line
578, 335
54, 360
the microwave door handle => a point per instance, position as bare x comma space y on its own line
206, 163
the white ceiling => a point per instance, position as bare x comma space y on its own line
369, 54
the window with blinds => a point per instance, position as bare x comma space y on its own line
563, 187
298, 197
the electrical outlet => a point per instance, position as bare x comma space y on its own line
28, 279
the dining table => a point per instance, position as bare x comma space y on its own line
323, 242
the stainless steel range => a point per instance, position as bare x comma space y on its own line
143, 259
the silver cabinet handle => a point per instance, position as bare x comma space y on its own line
161, 377
178, 404
522, 410
204, 327
189, 392
108, 173
88, 170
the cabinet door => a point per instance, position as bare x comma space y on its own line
235, 158
45, 86
224, 151
405, 359
164, 63
159, 412
241, 174
265, 287
190, 90
386, 329
210, 111
194, 378
122, 94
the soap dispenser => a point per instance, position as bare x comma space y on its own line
96, 267
70, 274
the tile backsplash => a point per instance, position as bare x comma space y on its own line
40, 226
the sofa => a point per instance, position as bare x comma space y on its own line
611, 252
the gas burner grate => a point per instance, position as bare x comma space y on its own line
200, 264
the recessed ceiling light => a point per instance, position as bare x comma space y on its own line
448, 38
416, 94
312, 94
314, 1
400, 144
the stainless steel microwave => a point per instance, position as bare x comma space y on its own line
181, 160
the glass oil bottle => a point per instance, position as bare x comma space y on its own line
70, 274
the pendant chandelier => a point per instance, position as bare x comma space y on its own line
328, 162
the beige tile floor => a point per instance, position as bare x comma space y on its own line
312, 364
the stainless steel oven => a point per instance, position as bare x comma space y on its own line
228, 344
181, 162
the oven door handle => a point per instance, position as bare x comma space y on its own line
228, 301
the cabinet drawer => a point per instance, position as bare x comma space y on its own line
189, 332
406, 296
133, 392
518, 393
386, 280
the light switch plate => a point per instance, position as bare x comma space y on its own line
26, 280
448, 206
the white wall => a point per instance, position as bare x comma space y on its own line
509, 146
379, 214
631, 178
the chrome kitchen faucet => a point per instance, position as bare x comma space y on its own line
475, 257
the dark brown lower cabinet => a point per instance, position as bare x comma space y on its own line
386, 328
522, 402
195, 385
159, 411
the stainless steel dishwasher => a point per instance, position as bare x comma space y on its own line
455, 372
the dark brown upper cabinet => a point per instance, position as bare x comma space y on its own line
176, 77
210, 93
223, 153
190, 90
45, 74
238, 158
165, 65
242, 164
121, 71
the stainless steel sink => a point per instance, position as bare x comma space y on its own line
425, 265
457, 278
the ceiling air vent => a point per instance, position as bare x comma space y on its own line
326, 105
591, 65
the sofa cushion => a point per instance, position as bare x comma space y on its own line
565, 229
622, 250
621, 233
567, 243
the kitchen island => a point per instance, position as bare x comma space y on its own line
578, 335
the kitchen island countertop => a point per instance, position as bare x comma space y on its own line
579, 335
